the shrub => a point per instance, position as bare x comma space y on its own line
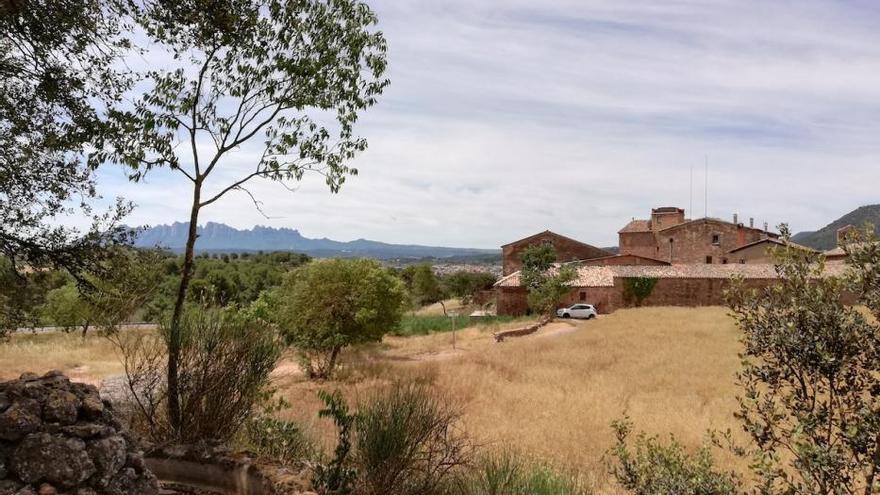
281, 441
637, 289
224, 368
507, 474
400, 442
330, 304
651, 468
407, 443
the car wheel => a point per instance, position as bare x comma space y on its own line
566, 315
591, 317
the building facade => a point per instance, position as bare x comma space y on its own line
669, 236
567, 249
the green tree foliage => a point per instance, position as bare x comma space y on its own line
64, 307
811, 397
330, 304
286, 78
651, 468
465, 285
547, 283
636, 289
58, 71
422, 284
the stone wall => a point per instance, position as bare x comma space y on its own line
58, 437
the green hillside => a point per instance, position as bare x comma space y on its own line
826, 237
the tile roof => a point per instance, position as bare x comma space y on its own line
636, 226
603, 276
776, 241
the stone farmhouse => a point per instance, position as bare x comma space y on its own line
692, 261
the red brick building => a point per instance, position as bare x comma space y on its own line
670, 237
677, 285
567, 249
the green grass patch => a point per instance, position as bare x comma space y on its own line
413, 324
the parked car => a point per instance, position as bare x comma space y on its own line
586, 311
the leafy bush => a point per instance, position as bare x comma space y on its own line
507, 474
330, 304
407, 443
278, 440
651, 468
400, 442
225, 362
637, 289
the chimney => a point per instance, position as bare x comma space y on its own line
736, 219
751, 222
765, 227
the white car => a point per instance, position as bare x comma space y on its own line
586, 311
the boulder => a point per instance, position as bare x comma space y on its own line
60, 438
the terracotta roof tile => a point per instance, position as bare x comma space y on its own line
636, 226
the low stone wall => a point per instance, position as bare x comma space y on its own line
58, 437
520, 332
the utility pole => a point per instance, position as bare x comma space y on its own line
706, 191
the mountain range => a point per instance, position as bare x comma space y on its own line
218, 237
826, 237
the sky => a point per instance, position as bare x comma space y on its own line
509, 117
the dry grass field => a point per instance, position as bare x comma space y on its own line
551, 395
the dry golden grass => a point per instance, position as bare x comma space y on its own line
670, 369
551, 395
89, 360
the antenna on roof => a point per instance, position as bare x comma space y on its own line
706, 191
691, 205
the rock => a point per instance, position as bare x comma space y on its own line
54, 458
109, 457
59, 438
19, 419
61, 407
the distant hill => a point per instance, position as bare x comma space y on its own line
218, 237
826, 237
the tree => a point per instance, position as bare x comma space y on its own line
423, 284
811, 395
292, 76
65, 308
57, 67
58, 70
465, 285
546, 282
330, 304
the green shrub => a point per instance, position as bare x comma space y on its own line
637, 289
224, 367
411, 324
275, 439
507, 474
406, 442
400, 442
652, 468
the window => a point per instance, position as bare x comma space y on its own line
723, 261
716, 239
742, 261
708, 260
583, 296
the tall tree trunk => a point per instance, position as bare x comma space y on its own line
174, 340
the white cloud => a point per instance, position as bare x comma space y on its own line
508, 117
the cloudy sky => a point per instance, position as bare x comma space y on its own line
508, 117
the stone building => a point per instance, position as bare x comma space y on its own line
567, 249
676, 285
761, 251
670, 237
